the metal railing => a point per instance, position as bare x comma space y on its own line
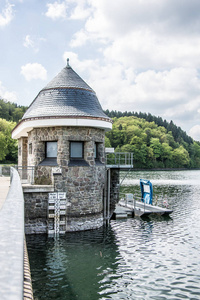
130, 199
26, 173
119, 159
5, 170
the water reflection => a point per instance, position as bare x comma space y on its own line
73, 266
155, 258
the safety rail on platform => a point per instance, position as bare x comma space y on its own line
26, 173
141, 208
122, 160
129, 199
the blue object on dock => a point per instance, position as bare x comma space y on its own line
147, 191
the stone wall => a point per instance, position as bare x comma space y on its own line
83, 184
63, 135
84, 188
22, 151
36, 205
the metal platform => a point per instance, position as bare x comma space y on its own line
119, 160
138, 208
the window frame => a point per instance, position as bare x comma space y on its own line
30, 148
96, 152
70, 151
50, 157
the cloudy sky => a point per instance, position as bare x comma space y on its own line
138, 55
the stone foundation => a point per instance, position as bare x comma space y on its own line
36, 205
77, 218
84, 222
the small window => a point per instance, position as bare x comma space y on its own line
76, 150
51, 149
95, 150
97, 153
30, 148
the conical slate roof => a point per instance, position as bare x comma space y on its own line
66, 96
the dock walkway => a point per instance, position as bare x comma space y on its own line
138, 208
4, 188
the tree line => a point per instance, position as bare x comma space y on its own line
153, 146
10, 114
11, 111
177, 132
154, 142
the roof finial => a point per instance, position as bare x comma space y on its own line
68, 62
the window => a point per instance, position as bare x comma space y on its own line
76, 150
30, 148
51, 149
98, 153
95, 150
50, 154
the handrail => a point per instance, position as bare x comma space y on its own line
26, 173
119, 159
12, 241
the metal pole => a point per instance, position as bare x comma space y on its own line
105, 197
108, 202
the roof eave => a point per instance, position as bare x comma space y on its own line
26, 125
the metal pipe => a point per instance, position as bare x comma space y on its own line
108, 200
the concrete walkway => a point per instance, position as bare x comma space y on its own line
4, 188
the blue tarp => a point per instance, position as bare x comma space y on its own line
147, 191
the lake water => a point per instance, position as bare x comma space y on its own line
156, 258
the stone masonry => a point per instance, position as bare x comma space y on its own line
83, 185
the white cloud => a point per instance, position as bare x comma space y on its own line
148, 56
6, 95
81, 67
6, 15
80, 12
33, 42
28, 42
172, 94
141, 34
56, 10
34, 71
195, 132
79, 39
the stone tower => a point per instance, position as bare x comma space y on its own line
62, 136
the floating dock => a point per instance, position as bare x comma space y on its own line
144, 207
138, 208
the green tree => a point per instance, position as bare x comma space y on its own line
3, 148
181, 157
107, 142
195, 155
156, 147
8, 145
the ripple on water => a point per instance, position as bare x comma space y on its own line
157, 258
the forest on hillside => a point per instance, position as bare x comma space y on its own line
155, 143
11, 111
153, 146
